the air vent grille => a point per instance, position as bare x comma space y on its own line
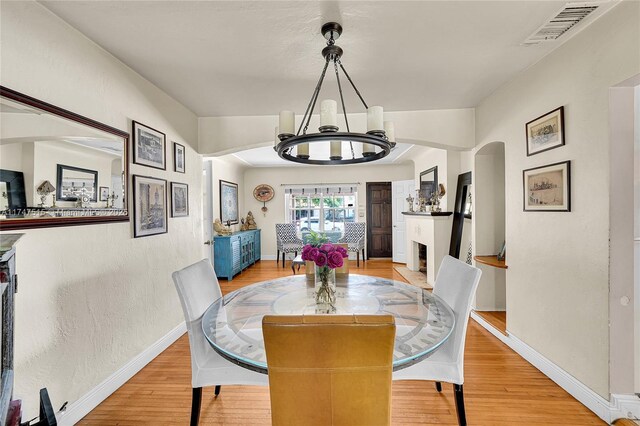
561, 22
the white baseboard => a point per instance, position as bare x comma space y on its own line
621, 406
80, 408
625, 407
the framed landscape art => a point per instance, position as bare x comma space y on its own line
548, 188
178, 158
148, 146
179, 199
545, 132
228, 202
149, 206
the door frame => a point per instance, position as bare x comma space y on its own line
369, 216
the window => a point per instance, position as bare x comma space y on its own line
320, 212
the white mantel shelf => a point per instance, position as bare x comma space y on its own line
428, 214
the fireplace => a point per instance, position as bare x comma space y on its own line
422, 258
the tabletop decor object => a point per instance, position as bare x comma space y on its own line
327, 257
43, 191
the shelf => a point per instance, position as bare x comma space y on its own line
427, 213
491, 261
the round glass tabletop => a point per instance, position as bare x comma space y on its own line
233, 323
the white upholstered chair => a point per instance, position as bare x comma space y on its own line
456, 284
198, 287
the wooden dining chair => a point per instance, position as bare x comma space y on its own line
198, 288
329, 369
456, 284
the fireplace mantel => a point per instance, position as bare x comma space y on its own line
432, 230
427, 213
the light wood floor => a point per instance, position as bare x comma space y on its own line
500, 387
496, 319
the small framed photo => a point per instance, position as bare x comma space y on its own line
228, 202
149, 206
148, 146
178, 158
545, 132
104, 193
179, 199
548, 188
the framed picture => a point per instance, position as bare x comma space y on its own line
228, 202
179, 199
178, 158
548, 188
75, 183
104, 193
545, 132
148, 146
149, 206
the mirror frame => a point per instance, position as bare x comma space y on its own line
28, 223
464, 180
433, 170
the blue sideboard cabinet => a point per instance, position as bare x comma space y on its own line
235, 252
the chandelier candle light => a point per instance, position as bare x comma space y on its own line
376, 143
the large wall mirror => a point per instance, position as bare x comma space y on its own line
462, 211
58, 168
429, 183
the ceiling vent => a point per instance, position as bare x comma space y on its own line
561, 22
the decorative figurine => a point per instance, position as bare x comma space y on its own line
220, 228
250, 222
410, 201
243, 225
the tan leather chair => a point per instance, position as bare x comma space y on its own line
330, 369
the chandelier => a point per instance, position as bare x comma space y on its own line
377, 142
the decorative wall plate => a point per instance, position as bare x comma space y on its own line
263, 193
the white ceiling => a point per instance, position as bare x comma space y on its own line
257, 58
267, 156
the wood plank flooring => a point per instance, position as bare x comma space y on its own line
496, 319
501, 388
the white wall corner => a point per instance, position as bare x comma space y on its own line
80, 408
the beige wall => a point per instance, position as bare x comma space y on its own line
558, 276
277, 176
92, 297
449, 128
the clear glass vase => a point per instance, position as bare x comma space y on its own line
325, 286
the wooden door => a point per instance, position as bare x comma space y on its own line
379, 211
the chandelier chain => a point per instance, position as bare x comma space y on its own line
344, 109
312, 103
353, 84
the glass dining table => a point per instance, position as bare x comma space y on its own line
233, 323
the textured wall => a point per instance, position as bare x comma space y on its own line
558, 276
93, 297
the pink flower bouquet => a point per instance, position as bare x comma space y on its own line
327, 255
